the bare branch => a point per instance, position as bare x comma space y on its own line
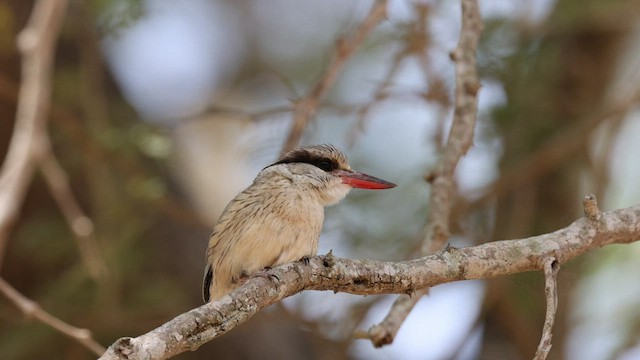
36, 43
459, 142
31, 309
190, 330
551, 268
305, 108
383, 333
462, 128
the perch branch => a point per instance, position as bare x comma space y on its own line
305, 108
442, 179
190, 330
31, 309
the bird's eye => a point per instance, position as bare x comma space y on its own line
325, 165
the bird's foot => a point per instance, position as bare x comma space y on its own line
242, 278
264, 273
305, 260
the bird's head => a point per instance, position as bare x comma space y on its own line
323, 171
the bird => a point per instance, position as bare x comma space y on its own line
279, 217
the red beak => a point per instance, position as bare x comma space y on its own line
363, 181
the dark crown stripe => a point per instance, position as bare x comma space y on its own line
305, 157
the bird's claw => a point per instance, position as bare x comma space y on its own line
264, 273
305, 260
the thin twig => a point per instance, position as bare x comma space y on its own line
31, 309
551, 268
257, 116
379, 94
192, 329
80, 224
459, 141
436, 88
305, 108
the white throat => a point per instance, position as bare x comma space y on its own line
333, 194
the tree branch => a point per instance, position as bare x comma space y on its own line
36, 44
190, 330
305, 108
459, 142
551, 268
462, 128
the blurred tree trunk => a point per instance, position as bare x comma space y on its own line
553, 83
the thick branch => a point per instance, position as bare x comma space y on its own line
305, 108
190, 330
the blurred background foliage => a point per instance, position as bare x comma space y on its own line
162, 111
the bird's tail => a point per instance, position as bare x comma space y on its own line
206, 283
